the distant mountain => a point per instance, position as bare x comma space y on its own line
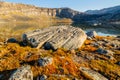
111, 14
104, 11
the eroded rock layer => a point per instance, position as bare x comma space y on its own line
58, 36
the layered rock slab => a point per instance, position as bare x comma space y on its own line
67, 37
92, 74
22, 73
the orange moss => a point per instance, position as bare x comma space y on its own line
87, 42
66, 65
12, 54
103, 37
60, 65
99, 37
9, 63
61, 52
117, 55
109, 69
51, 78
15, 54
89, 48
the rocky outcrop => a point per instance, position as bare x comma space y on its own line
66, 13
22, 73
93, 75
56, 37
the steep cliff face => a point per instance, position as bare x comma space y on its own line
7, 8
66, 13
11, 9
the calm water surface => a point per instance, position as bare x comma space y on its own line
100, 30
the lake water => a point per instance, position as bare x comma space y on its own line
102, 31
25, 26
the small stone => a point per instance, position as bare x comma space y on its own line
33, 42
78, 54
24, 40
109, 52
48, 46
42, 77
105, 40
111, 58
12, 40
114, 45
101, 51
1, 75
91, 34
118, 63
95, 44
45, 61
74, 79
24, 37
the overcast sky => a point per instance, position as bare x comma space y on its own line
80, 5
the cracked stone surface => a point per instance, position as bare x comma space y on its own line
67, 37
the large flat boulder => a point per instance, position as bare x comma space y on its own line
67, 37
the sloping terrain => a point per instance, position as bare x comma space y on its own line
97, 59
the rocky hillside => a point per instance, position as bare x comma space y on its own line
6, 8
106, 15
13, 11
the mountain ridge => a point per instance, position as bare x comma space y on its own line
104, 10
